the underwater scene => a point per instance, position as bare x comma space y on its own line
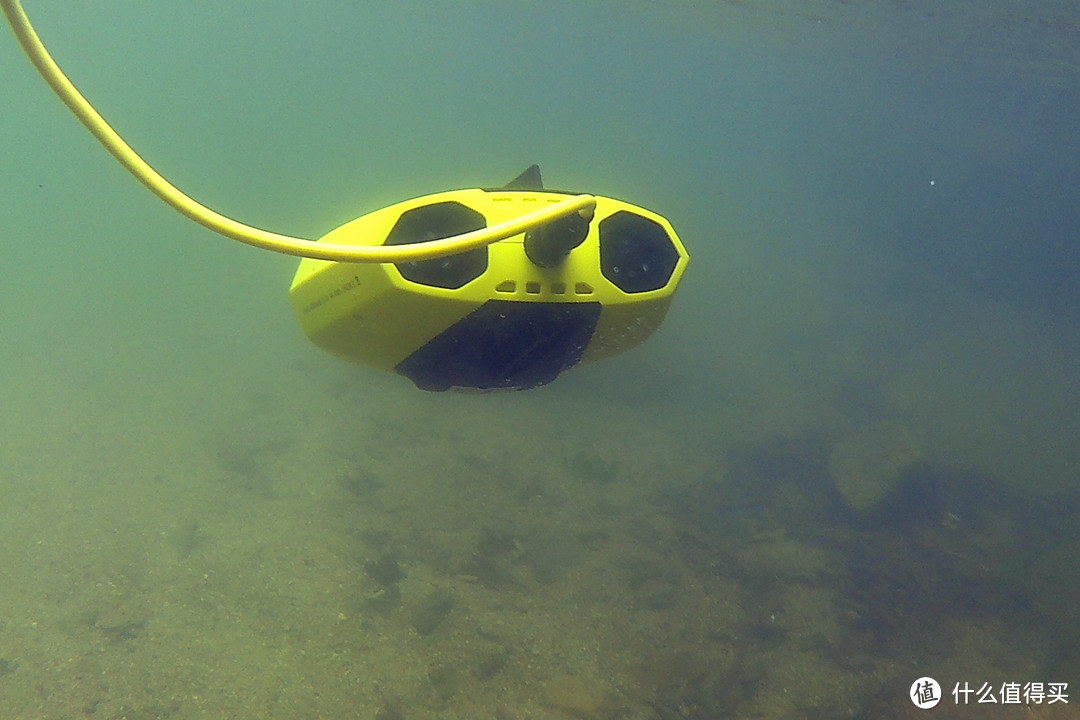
841, 480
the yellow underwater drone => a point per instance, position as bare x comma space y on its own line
499, 288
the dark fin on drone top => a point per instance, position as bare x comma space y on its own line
528, 180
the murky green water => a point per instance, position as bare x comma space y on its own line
846, 461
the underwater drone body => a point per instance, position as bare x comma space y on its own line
511, 315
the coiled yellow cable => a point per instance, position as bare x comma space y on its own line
85, 112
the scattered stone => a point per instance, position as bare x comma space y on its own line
389, 712
444, 681
123, 620
578, 697
551, 556
430, 613
866, 466
385, 570
491, 662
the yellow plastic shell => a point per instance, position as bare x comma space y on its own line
370, 314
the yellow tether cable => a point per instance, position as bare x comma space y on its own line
85, 112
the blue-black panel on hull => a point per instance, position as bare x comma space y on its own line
504, 345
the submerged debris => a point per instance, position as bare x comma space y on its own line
867, 465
